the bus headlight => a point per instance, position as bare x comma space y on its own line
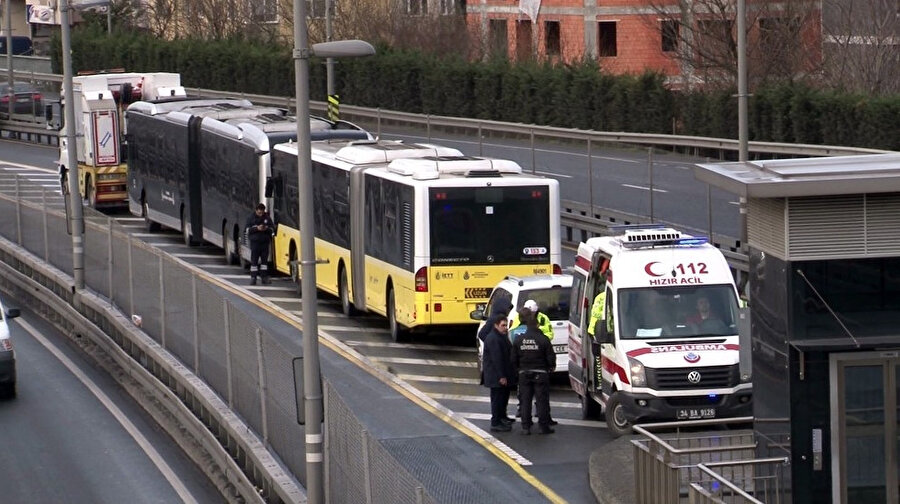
638, 378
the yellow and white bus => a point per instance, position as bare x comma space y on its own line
418, 233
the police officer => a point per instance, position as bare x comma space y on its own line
259, 233
543, 321
533, 359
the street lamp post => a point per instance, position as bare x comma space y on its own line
312, 386
76, 212
9, 60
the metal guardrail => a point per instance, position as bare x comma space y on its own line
767, 485
664, 467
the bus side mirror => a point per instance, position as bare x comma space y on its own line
476, 315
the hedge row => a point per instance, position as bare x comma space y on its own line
578, 96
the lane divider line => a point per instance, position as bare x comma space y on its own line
120, 416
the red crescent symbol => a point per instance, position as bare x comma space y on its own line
649, 270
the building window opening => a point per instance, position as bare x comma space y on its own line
551, 33
607, 39
670, 30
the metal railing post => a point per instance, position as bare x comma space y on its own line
109, 262
533, 156
263, 391
44, 221
225, 312
650, 171
130, 277
378, 129
196, 316
590, 149
18, 213
428, 126
709, 212
162, 302
367, 468
480, 138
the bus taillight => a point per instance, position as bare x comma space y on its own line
557, 269
422, 279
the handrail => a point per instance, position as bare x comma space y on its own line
690, 423
655, 139
734, 488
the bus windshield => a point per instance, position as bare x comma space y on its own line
681, 312
489, 225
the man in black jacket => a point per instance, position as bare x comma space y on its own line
497, 372
532, 360
259, 233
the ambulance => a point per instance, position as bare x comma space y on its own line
665, 347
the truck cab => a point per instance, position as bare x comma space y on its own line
665, 344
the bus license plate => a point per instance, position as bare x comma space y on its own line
697, 413
560, 349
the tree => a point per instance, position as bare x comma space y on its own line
702, 36
860, 45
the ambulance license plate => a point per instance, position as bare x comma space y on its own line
696, 413
560, 349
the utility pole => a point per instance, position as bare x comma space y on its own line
329, 62
743, 126
9, 60
76, 214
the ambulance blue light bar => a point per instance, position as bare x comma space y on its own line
694, 240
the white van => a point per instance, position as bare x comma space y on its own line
552, 294
666, 347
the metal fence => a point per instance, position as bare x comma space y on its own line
666, 464
742, 482
197, 318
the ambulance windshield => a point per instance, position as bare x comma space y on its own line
678, 312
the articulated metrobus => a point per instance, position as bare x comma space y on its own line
202, 165
417, 233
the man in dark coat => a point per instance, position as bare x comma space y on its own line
497, 372
259, 233
532, 360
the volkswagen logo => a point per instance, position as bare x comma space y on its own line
694, 377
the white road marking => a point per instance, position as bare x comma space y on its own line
123, 420
562, 421
438, 379
549, 174
486, 399
367, 330
197, 256
265, 287
10, 166
130, 219
284, 300
423, 362
736, 203
412, 346
644, 188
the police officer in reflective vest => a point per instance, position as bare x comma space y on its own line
533, 360
598, 307
259, 233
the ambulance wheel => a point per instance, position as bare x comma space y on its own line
344, 293
615, 416
398, 333
590, 410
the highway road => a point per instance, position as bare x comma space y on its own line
73, 435
443, 366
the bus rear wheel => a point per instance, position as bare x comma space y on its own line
149, 225
398, 333
227, 247
344, 293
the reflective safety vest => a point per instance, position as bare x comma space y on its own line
543, 323
597, 311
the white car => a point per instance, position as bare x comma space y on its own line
551, 292
7, 354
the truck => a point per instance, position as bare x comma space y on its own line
99, 100
664, 345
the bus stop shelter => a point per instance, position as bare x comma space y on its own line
824, 285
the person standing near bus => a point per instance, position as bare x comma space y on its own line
497, 372
259, 233
532, 360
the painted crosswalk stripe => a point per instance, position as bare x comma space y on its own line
410, 346
562, 421
486, 399
438, 379
424, 362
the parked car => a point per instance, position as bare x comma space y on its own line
7, 354
551, 292
28, 99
